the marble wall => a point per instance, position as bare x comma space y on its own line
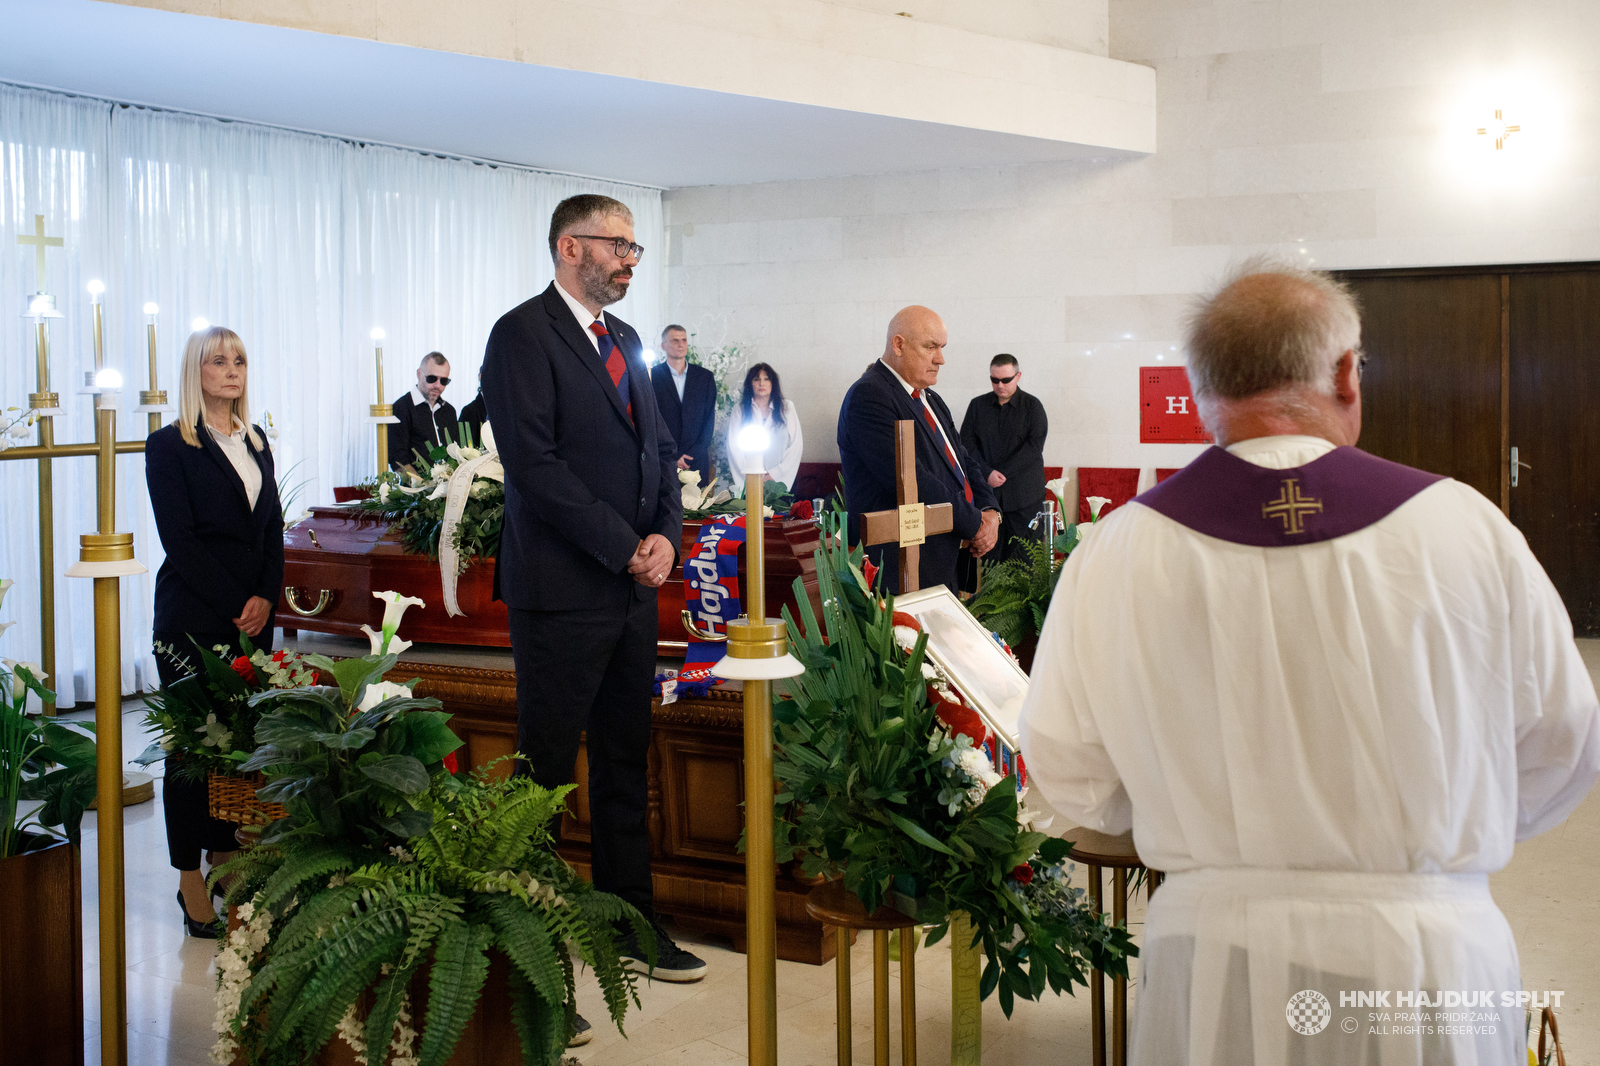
1081, 25
1339, 135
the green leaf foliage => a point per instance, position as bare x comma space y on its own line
1015, 594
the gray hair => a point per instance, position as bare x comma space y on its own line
432, 357
1270, 326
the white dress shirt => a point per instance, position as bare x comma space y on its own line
238, 453
581, 313
923, 399
679, 380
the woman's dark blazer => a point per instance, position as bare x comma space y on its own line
220, 552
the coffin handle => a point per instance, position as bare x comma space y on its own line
324, 597
688, 623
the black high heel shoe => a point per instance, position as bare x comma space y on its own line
198, 930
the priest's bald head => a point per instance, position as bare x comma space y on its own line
1277, 350
914, 348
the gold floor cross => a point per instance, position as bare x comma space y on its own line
40, 243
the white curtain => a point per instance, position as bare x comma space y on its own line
301, 244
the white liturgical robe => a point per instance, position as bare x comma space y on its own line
1328, 746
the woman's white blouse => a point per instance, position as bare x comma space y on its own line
238, 453
782, 458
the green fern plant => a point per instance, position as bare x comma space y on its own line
1014, 595
353, 934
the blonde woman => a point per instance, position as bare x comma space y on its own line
216, 506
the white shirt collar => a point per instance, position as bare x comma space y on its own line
579, 311
421, 400
1282, 452
674, 373
236, 435
903, 383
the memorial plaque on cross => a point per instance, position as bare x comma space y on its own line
912, 522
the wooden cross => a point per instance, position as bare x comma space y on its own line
883, 527
41, 242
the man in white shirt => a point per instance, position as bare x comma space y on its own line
1327, 693
686, 395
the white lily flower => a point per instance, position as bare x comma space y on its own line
4, 443
1095, 504
493, 471
383, 493
488, 438
5, 586
17, 686
453, 450
5, 626
689, 477
394, 609
396, 645
379, 691
440, 491
469, 454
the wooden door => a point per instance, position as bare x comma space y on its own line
1431, 392
1555, 383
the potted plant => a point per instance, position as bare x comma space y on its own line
397, 892
886, 783
41, 923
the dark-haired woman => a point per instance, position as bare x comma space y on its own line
762, 404
215, 499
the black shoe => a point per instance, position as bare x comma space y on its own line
672, 962
198, 930
582, 1033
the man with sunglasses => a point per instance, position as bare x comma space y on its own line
1005, 429
426, 418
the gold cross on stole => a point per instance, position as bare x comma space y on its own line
41, 242
1291, 507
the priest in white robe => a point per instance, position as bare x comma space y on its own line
1328, 694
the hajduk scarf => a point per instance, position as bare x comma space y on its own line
711, 593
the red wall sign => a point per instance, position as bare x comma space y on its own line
1166, 408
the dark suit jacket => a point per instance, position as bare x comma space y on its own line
416, 431
692, 419
474, 415
866, 454
220, 551
583, 485
1010, 438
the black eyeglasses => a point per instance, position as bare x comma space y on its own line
431, 378
620, 245
1001, 381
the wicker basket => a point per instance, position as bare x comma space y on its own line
233, 799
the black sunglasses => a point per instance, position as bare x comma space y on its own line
431, 378
1002, 381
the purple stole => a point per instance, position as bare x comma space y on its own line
1235, 500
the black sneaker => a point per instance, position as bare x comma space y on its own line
672, 962
582, 1033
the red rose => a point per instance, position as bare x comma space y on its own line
242, 667
801, 509
450, 763
1023, 874
277, 656
870, 571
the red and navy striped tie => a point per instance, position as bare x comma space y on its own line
927, 416
616, 366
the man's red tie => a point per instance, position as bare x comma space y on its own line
616, 366
927, 416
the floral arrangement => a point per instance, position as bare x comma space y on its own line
206, 718
727, 363
884, 782
40, 759
374, 904
700, 503
414, 503
15, 425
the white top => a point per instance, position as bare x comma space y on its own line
439, 435
1403, 700
679, 380
782, 458
581, 313
923, 399
238, 453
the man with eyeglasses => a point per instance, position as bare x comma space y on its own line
592, 524
1005, 428
426, 418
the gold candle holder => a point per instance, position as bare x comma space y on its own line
153, 396
382, 414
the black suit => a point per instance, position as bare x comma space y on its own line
584, 485
1009, 437
419, 429
473, 416
692, 420
220, 552
866, 455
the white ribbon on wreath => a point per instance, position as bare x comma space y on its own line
486, 466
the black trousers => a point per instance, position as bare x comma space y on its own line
1014, 525
186, 803
591, 672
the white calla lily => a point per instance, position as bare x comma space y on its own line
378, 691
396, 645
5, 587
440, 491
5, 626
18, 688
394, 609
1095, 504
493, 471
487, 438
383, 493
453, 450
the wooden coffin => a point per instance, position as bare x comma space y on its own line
338, 557
41, 958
